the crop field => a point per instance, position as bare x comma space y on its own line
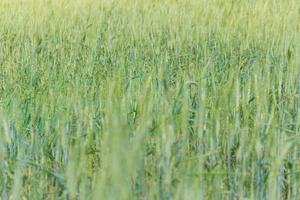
150, 99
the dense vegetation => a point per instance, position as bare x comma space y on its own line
146, 99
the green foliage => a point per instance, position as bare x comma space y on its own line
149, 99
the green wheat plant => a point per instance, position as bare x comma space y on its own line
148, 99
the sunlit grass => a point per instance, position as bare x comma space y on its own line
149, 99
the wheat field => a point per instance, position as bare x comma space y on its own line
150, 99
